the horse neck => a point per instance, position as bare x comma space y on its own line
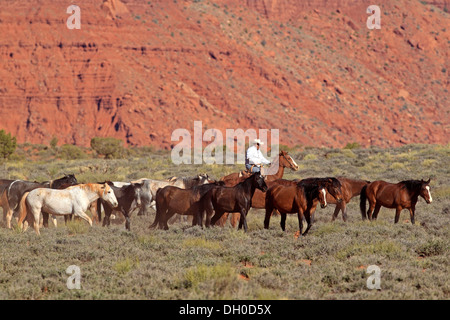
90, 192
248, 186
280, 172
311, 194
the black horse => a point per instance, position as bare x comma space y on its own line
128, 197
17, 188
233, 199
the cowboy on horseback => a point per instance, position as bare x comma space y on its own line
254, 157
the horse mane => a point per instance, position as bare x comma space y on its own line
411, 185
310, 190
335, 182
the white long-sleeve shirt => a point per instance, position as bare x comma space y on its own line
255, 156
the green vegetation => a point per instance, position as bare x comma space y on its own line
8, 144
222, 263
108, 147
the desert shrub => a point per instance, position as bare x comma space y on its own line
71, 152
431, 248
109, 147
352, 145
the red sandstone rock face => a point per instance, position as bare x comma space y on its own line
138, 70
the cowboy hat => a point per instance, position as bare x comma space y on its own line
257, 141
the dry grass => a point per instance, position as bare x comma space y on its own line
223, 263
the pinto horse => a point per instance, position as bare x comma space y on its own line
233, 199
301, 198
283, 161
399, 196
73, 200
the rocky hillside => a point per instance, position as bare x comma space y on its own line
138, 70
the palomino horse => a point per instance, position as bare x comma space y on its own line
301, 198
402, 195
350, 188
73, 200
233, 199
17, 188
276, 172
171, 200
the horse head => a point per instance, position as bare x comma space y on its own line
334, 188
137, 192
323, 196
287, 161
425, 191
107, 194
259, 181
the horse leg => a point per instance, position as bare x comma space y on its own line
344, 211
9, 214
336, 212
36, 215
127, 222
235, 217
269, 210
216, 217
67, 218
223, 220
283, 221
308, 222
45, 219
165, 219
412, 212
300, 222
54, 221
370, 210
375, 213
397, 214
84, 216
243, 220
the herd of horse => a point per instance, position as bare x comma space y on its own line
207, 200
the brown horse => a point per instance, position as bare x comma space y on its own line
171, 200
350, 188
402, 195
301, 198
283, 161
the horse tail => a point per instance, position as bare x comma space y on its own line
22, 209
362, 202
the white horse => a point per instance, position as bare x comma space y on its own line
73, 200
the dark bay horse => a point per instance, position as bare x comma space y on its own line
399, 196
233, 199
283, 161
301, 198
17, 188
128, 198
171, 200
350, 188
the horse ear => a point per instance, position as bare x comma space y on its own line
428, 182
